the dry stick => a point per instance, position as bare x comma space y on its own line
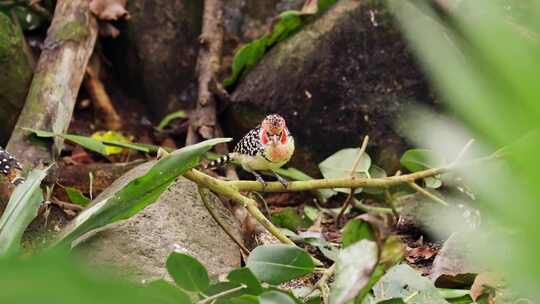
203, 120
352, 173
322, 283
100, 97
57, 79
203, 193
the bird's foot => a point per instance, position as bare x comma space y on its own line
260, 179
280, 179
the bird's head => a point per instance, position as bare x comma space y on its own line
274, 130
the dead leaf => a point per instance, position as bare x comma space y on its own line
109, 9
486, 283
415, 255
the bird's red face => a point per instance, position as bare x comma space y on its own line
274, 130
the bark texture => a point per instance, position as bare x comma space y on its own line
346, 75
15, 75
57, 79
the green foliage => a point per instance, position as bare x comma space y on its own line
276, 264
76, 196
416, 160
138, 193
340, 164
20, 211
112, 136
290, 219
170, 117
486, 68
188, 273
98, 145
404, 282
284, 25
356, 230
246, 277
354, 266
56, 279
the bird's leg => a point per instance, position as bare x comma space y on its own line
280, 179
259, 178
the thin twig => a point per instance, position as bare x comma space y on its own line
203, 193
427, 193
221, 294
322, 284
352, 173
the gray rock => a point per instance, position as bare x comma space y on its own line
178, 221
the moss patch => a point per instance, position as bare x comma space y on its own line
74, 30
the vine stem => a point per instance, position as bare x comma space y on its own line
221, 294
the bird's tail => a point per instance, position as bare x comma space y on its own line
221, 161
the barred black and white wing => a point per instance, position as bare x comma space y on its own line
10, 167
250, 144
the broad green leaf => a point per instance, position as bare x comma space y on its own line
328, 249
311, 213
290, 218
246, 277
76, 196
111, 136
100, 146
138, 193
170, 117
168, 293
375, 172
287, 23
188, 273
221, 287
433, 182
448, 293
416, 160
20, 211
353, 269
245, 58
245, 299
356, 230
276, 264
340, 164
275, 297
402, 281
322, 194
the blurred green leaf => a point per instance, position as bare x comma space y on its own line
356, 230
168, 293
290, 218
76, 196
433, 182
188, 273
340, 164
170, 117
311, 213
275, 297
277, 264
402, 281
111, 136
245, 299
20, 211
393, 301
448, 293
138, 193
375, 172
416, 160
353, 270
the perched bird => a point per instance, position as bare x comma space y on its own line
265, 148
10, 167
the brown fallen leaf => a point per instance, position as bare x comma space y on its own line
109, 9
418, 254
487, 283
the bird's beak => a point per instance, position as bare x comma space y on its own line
275, 140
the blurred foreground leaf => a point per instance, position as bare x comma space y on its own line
188, 272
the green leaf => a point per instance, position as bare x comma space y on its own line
275, 297
402, 281
353, 269
433, 182
245, 299
340, 164
276, 264
416, 160
356, 230
245, 58
290, 219
20, 211
111, 136
168, 293
138, 193
392, 301
311, 213
46, 273
375, 172
287, 23
170, 117
76, 196
448, 293
101, 146
188, 273
246, 277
